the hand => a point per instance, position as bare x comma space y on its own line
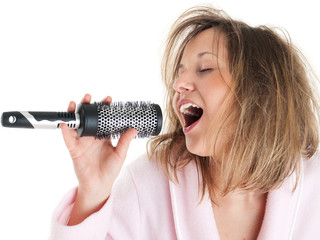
97, 163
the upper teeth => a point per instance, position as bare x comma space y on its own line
184, 107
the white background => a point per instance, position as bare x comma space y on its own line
52, 52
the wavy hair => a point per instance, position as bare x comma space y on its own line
275, 111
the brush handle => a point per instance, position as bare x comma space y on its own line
85, 120
39, 120
99, 119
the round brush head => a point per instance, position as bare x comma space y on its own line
117, 117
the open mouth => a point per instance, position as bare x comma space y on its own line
191, 113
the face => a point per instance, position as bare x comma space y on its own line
202, 84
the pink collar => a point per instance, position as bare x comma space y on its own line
196, 221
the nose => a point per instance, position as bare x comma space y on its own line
183, 83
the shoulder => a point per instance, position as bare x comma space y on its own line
143, 187
143, 176
143, 165
146, 172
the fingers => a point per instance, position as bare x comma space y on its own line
69, 136
124, 142
86, 98
107, 99
72, 106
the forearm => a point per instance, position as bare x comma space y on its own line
84, 206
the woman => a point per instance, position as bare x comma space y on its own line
238, 159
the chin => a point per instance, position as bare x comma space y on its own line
197, 147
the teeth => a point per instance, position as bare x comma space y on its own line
189, 113
185, 106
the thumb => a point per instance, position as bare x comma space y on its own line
124, 142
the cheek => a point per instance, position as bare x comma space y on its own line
216, 94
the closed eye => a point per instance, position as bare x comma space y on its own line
205, 70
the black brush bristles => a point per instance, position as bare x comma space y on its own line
117, 117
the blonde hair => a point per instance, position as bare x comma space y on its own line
275, 113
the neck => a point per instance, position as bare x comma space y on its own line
238, 195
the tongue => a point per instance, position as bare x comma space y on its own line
190, 119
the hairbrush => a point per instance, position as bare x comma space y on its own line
101, 120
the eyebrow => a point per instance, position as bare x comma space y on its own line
204, 53
199, 55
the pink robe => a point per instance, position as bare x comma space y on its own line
145, 205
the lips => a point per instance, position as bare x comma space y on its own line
191, 113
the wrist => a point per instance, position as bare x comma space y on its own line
93, 192
91, 200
